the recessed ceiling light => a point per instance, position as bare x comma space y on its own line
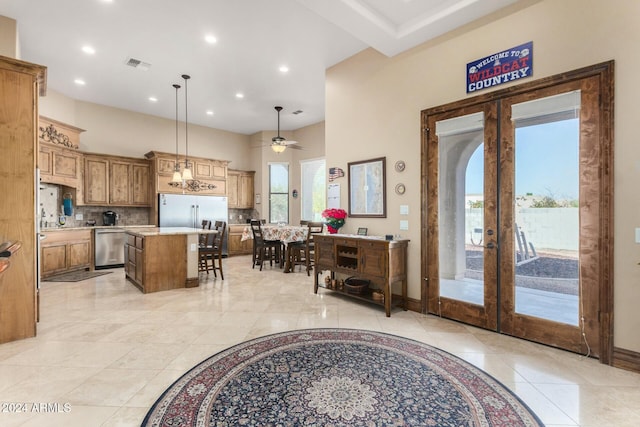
239, 95
209, 113
153, 99
284, 69
79, 82
211, 39
88, 50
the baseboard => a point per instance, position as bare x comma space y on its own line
626, 359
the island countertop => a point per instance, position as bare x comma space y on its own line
168, 231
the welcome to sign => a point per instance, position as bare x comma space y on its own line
500, 68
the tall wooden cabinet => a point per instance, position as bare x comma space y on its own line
20, 84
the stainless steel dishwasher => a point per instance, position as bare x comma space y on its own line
109, 247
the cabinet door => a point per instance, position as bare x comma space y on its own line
96, 183
66, 164
245, 191
140, 191
54, 259
45, 161
324, 252
139, 266
232, 190
373, 259
119, 183
79, 255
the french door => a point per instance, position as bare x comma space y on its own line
514, 223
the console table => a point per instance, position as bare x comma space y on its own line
383, 262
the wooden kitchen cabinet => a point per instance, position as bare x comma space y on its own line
20, 84
240, 189
64, 251
59, 160
383, 262
116, 181
235, 244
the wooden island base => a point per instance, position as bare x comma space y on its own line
160, 259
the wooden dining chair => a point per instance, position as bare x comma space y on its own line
212, 251
264, 250
302, 253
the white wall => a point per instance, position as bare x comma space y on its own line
373, 109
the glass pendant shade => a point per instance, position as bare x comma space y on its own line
177, 178
186, 174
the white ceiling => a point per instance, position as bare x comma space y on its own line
254, 38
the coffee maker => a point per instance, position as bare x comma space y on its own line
109, 218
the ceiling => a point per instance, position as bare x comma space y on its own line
254, 39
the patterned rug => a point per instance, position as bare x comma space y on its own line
337, 377
75, 276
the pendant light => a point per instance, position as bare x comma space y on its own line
186, 173
177, 178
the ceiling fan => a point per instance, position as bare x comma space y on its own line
278, 143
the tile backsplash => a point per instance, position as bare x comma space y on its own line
51, 199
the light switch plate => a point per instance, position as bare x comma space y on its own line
404, 224
404, 209
637, 235
193, 247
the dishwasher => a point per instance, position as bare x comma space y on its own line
109, 247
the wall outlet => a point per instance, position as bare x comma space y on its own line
239, 216
79, 217
193, 247
404, 209
637, 235
404, 224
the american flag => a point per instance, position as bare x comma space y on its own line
335, 173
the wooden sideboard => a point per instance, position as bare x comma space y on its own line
383, 262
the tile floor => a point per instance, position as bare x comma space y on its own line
105, 352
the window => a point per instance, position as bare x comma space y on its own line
313, 193
278, 192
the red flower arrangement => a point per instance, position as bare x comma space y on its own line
334, 218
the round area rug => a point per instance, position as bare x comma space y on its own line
337, 377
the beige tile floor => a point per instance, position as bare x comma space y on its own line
107, 352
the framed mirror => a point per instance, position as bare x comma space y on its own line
367, 188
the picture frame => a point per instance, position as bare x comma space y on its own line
368, 188
362, 231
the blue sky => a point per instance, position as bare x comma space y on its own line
546, 161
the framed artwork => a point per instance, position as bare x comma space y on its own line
367, 188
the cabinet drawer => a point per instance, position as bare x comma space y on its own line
139, 242
131, 240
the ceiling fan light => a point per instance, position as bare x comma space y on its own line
278, 148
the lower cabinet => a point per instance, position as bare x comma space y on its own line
65, 251
236, 246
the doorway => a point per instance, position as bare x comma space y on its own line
517, 218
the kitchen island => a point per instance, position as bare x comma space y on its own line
163, 258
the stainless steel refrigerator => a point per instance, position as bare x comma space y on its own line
186, 210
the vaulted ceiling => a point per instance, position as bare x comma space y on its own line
142, 47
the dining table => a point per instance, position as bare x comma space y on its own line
283, 232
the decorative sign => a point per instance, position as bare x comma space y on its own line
500, 68
335, 173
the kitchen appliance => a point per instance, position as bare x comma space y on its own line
109, 218
109, 247
186, 210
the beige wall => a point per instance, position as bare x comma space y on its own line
374, 103
310, 139
9, 37
114, 131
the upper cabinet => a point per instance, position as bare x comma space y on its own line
240, 189
59, 160
116, 181
210, 176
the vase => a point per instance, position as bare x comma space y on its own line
333, 225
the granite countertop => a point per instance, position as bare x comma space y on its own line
93, 227
168, 231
